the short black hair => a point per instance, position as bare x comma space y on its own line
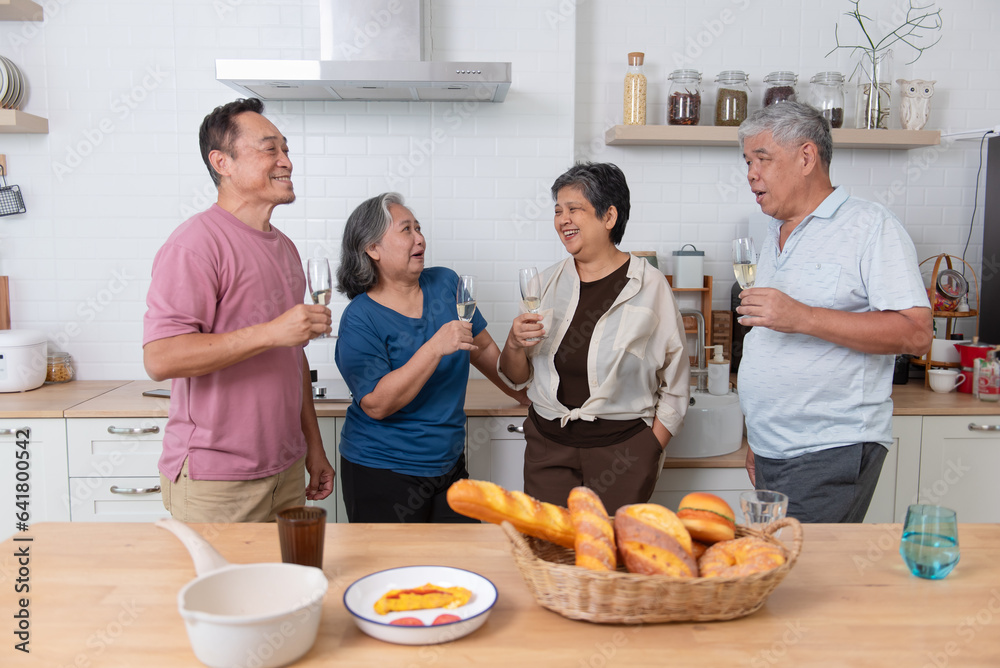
219, 130
604, 186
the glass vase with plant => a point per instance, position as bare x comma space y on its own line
917, 32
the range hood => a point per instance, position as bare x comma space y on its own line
370, 50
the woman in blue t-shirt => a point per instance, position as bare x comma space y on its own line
405, 357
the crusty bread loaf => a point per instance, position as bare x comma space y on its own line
707, 517
490, 502
652, 541
594, 541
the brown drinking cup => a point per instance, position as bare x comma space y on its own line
300, 533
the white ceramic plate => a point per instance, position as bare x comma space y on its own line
14, 89
4, 82
360, 597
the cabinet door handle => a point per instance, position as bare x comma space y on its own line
11, 432
115, 489
983, 427
515, 429
133, 430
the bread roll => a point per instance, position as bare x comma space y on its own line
490, 502
594, 541
739, 557
707, 517
652, 541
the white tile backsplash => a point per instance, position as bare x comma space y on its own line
126, 84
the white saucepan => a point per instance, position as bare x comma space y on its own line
247, 615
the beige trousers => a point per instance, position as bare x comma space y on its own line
214, 501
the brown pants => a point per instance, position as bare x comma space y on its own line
621, 474
214, 501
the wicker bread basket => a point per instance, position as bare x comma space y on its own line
628, 598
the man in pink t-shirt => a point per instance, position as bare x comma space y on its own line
226, 322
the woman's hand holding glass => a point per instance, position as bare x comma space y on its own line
528, 330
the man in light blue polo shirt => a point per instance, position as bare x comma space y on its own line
838, 294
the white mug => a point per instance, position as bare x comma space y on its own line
945, 380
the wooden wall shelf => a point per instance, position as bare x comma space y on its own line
14, 121
710, 135
20, 10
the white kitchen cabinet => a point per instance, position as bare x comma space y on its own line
329, 429
727, 483
45, 471
959, 460
494, 450
113, 475
906, 434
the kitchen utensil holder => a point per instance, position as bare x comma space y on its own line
948, 316
11, 201
619, 597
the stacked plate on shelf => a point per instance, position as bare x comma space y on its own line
13, 85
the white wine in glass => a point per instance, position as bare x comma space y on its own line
320, 283
531, 291
465, 298
744, 262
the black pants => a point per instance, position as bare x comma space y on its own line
384, 496
834, 485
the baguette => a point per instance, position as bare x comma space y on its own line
652, 541
595, 538
490, 502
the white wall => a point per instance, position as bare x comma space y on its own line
126, 84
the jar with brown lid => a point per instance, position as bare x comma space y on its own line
634, 111
779, 87
731, 98
60, 368
684, 105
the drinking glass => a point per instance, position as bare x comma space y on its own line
531, 291
762, 506
465, 297
744, 262
300, 534
930, 541
320, 283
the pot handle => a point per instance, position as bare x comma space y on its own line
206, 558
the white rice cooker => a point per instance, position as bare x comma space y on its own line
23, 359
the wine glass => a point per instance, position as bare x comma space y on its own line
465, 297
531, 291
929, 546
744, 262
320, 283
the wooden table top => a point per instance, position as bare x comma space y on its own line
106, 595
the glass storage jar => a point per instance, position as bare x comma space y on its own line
684, 105
828, 96
731, 98
60, 368
778, 87
634, 111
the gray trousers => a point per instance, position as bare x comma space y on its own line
834, 485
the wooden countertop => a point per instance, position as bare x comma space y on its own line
106, 595
51, 401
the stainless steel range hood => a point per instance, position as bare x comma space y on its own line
369, 50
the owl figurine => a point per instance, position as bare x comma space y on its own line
915, 105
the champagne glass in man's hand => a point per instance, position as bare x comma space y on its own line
531, 291
320, 283
744, 263
465, 298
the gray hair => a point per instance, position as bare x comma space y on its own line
366, 225
791, 124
